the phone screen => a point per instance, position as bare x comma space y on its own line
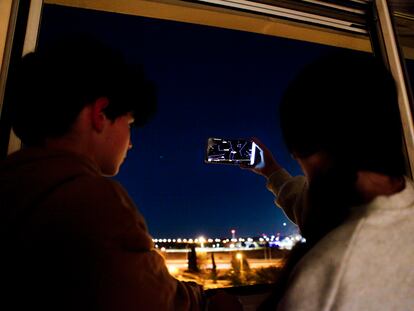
230, 151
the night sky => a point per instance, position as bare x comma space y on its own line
211, 82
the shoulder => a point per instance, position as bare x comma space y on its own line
100, 207
86, 188
314, 277
99, 189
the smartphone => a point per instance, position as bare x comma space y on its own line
231, 151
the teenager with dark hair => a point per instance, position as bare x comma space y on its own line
341, 122
71, 238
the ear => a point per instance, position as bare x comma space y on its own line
98, 117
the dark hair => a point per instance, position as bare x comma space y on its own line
346, 105
51, 86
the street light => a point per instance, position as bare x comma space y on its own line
172, 269
239, 256
202, 240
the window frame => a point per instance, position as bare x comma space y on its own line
20, 23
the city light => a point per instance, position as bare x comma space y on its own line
244, 254
239, 256
173, 270
202, 240
240, 243
255, 252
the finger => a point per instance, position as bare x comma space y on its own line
258, 142
246, 166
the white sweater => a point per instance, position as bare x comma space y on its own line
367, 263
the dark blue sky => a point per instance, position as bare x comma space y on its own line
212, 82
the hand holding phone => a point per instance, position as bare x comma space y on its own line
267, 164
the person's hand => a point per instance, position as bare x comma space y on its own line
223, 301
267, 165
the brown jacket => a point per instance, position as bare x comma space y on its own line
73, 240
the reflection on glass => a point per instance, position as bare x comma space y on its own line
403, 12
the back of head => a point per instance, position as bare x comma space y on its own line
50, 87
346, 105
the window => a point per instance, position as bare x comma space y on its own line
212, 82
220, 72
403, 13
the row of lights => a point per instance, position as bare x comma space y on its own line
201, 240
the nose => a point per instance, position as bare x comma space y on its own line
130, 145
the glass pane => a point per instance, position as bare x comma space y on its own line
211, 82
403, 12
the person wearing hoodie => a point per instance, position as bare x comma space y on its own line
354, 205
72, 239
